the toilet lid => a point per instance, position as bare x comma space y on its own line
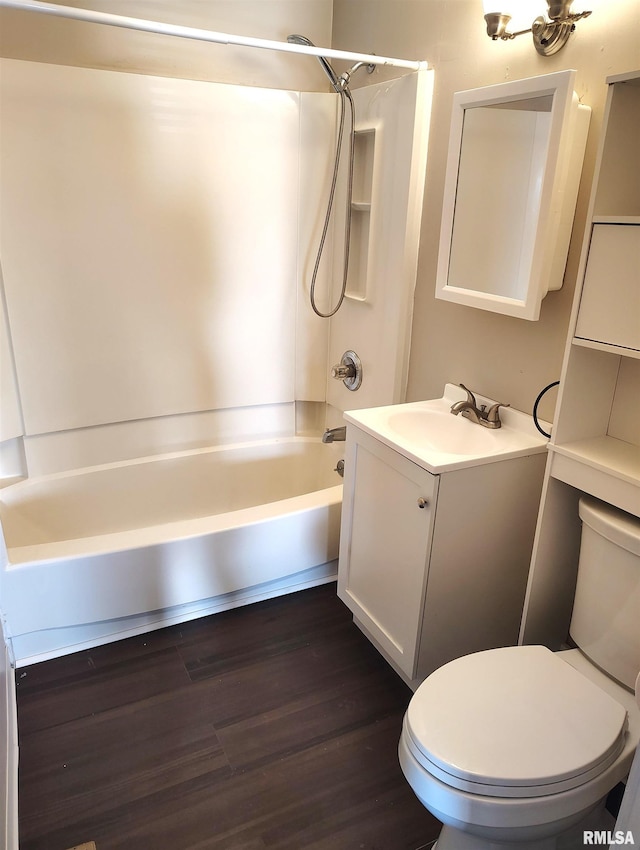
513, 722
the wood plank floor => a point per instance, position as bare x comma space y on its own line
270, 726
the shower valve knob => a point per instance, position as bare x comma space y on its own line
348, 370
341, 372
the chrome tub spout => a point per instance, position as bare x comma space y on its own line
335, 435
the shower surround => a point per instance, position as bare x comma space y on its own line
156, 244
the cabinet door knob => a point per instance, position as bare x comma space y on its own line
422, 503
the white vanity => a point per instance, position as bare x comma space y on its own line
438, 521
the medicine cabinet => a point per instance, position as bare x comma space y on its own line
513, 170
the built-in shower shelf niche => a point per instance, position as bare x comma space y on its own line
361, 206
363, 164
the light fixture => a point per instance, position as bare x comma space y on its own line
549, 36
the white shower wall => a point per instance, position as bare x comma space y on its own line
392, 120
10, 417
157, 242
149, 244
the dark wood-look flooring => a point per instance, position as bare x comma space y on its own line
270, 726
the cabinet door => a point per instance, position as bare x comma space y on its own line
388, 511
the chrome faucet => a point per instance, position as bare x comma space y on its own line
480, 415
335, 435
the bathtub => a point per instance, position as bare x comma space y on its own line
105, 552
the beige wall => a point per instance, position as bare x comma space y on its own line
502, 357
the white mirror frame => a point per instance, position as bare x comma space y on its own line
543, 261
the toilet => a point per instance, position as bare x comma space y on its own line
518, 747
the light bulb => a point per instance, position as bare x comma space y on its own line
495, 7
524, 12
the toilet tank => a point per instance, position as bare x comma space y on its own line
605, 623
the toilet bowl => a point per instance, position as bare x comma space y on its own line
517, 747
549, 738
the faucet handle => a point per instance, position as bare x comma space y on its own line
342, 371
492, 415
470, 396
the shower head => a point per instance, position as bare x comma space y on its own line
326, 67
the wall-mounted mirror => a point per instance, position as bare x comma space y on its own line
514, 164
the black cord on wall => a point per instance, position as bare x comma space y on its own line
535, 407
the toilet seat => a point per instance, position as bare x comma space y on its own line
513, 722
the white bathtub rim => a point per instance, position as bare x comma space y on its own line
21, 557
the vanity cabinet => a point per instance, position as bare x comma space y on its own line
434, 566
389, 508
595, 443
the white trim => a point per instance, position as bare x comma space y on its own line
9, 749
108, 19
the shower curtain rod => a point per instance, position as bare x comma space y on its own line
202, 35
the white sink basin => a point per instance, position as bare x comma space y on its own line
441, 431
428, 433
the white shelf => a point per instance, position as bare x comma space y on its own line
605, 467
606, 346
361, 206
616, 219
615, 457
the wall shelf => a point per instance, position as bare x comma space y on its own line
615, 457
616, 219
606, 347
605, 467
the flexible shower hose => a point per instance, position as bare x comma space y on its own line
345, 95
